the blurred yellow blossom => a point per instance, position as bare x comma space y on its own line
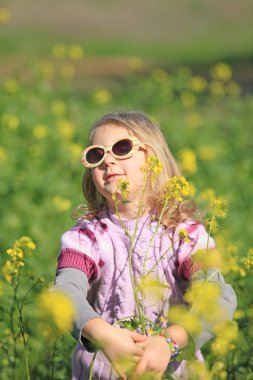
59, 307
65, 128
3, 154
219, 207
58, 108
187, 161
207, 195
40, 131
152, 289
1, 288
159, 74
61, 204
25, 242
194, 120
217, 88
188, 99
102, 96
180, 315
233, 89
67, 71
75, 150
59, 51
239, 314
207, 152
192, 190
197, 371
135, 63
75, 52
46, 69
183, 235
248, 260
197, 84
221, 71
11, 85
11, 121
226, 333
5, 15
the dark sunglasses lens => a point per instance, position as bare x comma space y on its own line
94, 155
123, 147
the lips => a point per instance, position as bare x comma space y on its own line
112, 176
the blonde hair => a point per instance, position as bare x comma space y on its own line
147, 131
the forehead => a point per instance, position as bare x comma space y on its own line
107, 134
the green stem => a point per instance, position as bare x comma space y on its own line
92, 366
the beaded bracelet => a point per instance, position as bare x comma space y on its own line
174, 347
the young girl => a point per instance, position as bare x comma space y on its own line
93, 264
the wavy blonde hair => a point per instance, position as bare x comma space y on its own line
148, 132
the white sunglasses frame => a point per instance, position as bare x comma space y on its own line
136, 145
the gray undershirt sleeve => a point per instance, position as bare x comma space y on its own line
227, 301
74, 283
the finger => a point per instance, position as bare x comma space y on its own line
138, 337
142, 344
140, 368
138, 350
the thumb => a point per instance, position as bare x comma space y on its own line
137, 337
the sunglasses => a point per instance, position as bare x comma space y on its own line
94, 155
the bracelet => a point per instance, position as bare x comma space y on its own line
174, 347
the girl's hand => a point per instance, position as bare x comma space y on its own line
155, 358
121, 349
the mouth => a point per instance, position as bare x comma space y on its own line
112, 177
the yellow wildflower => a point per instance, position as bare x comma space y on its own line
152, 289
233, 89
176, 189
226, 333
5, 15
188, 99
59, 51
135, 63
123, 187
248, 260
59, 307
153, 167
219, 207
61, 204
207, 152
11, 121
187, 161
159, 74
208, 258
239, 314
102, 96
192, 189
67, 71
65, 128
75, 52
180, 315
221, 71
11, 85
197, 84
183, 235
25, 242
75, 150
58, 108
1, 288
194, 120
197, 370
217, 88
46, 69
207, 195
3, 155
40, 131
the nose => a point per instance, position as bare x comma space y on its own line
109, 159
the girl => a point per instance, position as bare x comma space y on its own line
93, 264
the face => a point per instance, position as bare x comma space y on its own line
106, 175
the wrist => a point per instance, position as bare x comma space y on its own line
172, 344
179, 334
97, 330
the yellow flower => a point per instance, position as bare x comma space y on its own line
160, 75
75, 150
226, 333
207, 152
187, 161
11, 85
248, 260
221, 71
3, 155
40, 131
59, 307
25, 242
192, 189
59, 51
75, 52
239, 314
67, 71
176, 189
180, 315
11, 121
102, 96
207, 195
153, 167
135, 63
233, 89
219, 207
194, 120
5, 15
197, 370
46, 69
58, 108
152, 289
188, 99
65, 128
197, 84
61, 204
183, 235
217, 88
1, 288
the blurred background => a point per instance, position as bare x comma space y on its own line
187, 63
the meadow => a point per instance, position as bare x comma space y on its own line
44, 118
